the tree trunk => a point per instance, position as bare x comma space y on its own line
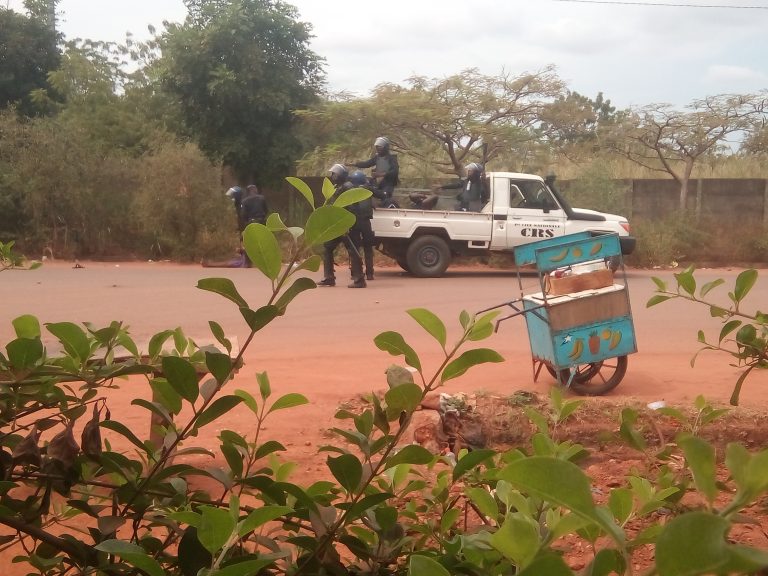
683, 194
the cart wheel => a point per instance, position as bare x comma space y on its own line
596, 378
584, 372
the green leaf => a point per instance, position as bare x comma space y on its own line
549, 564
658, 299
396, 345
234, 458
403, 398
430, 322
620, 503
288, 401
347, 470
26, 326
562, 483
132, 554
471, 460
182, 376
218, 407
423, 566
302, 187
221, 338
484, 502
157, 342
243, 568
248, 400
312, 263
686, 280
517, 539
261, 516
728, 327
216, 527
628, 431
72, 337
482, 327
736, 392
607, 561
275, 224
470, 358
746, 334
410, 454
124, 431
709, 286
166, 395
352, 196
701, 459
744, 283
660, 284
327, 223
328, 188
258, 319
449, 519
269, 447
265, 389
223, 286
24, 353
219, 365
298, 286
263, 250
692, 544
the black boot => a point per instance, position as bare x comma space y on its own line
359, 283
330, 282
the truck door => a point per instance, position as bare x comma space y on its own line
534, 214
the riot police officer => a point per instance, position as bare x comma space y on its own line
338, 175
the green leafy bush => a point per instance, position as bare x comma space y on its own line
743, 336
79, 506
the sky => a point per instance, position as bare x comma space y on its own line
635, 52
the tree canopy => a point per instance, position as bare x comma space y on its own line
238, 70
28, 52
664, 139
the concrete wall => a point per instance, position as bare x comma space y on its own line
742, 202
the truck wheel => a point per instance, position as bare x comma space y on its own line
403, 263
428, 256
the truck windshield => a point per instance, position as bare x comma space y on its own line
531, 194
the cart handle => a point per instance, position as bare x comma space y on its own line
517, 310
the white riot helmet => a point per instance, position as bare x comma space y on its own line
339, 171
381, 142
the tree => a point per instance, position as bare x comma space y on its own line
573, 123
451, 121
28, 54
238, 70
43, 11
661, 138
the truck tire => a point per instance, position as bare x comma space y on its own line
403, 263
428, 256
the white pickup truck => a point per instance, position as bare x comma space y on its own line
522, 208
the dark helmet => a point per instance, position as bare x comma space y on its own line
358, 178
339, 171
381, 142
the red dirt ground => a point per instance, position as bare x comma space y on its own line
323, 348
